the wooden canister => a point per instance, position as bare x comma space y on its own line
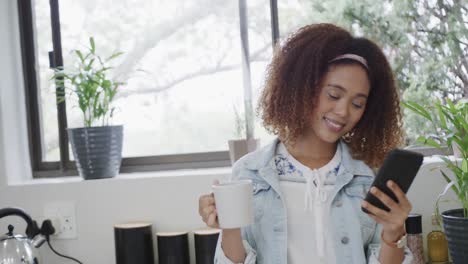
173, 248
134, 243
205, 245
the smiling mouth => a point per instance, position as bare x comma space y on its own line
333, 125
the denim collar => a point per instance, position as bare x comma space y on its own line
263, 161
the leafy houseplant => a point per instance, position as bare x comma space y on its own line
240, 124
97, 146
450, 121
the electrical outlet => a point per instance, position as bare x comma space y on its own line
64, 214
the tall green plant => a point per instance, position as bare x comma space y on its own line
90, 83
240, 132
450, 121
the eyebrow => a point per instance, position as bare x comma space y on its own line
345, 90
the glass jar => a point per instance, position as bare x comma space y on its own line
415, 238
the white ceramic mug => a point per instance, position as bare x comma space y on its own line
234, 203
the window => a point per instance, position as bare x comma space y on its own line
425, 42
182, 68
185, 74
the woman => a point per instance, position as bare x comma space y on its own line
332, 101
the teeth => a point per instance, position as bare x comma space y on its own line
333, 124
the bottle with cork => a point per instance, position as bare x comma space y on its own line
437, 246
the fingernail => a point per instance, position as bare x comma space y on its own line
364, 204
390, 183
373, 190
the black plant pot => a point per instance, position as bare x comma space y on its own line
456, 230
97, 150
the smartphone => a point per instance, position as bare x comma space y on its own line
400, 166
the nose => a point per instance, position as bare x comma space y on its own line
342, 109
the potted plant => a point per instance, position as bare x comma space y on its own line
245, 141
97, 147
450, 121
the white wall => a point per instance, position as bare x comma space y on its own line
169, 199
169, 202
3, 180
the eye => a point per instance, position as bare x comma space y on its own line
333, 96
358, 105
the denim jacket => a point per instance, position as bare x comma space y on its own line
356, 236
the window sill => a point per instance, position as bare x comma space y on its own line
220, 171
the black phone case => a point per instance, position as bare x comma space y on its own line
400, 166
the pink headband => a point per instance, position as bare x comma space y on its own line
353, 57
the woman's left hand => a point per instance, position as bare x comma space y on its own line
393, 222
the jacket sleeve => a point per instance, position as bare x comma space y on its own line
373, 249
220, 257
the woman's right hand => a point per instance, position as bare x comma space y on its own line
232, 245
207, 209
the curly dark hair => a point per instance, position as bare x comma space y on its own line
293, 83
